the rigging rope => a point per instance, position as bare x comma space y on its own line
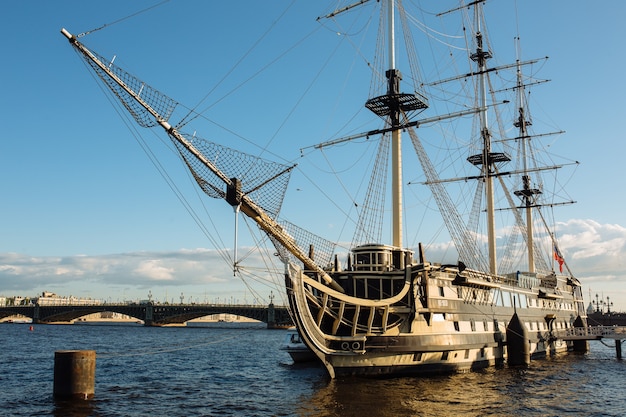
370, 225
160, 168
122, 19
183, 121
462, 237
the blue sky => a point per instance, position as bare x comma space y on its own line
85, 212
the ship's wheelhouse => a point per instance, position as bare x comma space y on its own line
380, 258
375, 271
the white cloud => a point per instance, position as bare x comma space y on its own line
153, 269
593, 251
26, 275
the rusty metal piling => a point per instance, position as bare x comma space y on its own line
74, 374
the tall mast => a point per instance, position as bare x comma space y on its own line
392, 106
396, 137
391, 20
487, 159
527, 194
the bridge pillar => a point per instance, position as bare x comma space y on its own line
149, 318
271, 316
36, 314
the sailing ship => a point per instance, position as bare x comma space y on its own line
390, 310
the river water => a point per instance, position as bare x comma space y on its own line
237, 369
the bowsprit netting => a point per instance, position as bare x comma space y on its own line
264, 182
157, 101
320, 249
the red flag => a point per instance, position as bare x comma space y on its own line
559, 258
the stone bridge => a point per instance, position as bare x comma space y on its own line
151, 314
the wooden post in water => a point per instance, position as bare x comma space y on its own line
618, 348
74, 374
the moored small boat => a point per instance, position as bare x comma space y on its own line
294, 346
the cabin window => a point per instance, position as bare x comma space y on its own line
363, 259
485, 325
398, 258
506, 299
444, 356
383, 259
482, 352
496, 326
417, 357
441, 293
522, 300
498, 298
466, 353
473, 325
456, 326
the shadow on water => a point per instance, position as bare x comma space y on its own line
74, 408
458, 394
558, 386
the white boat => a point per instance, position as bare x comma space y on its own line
296, 348
392, 309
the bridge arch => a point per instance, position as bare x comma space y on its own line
151, 314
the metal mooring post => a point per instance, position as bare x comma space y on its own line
74, 374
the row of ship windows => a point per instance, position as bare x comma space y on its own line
417, 357
530, 325
506, 299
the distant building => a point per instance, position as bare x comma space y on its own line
49, 298
15, 301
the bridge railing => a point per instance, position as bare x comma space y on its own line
592, 332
